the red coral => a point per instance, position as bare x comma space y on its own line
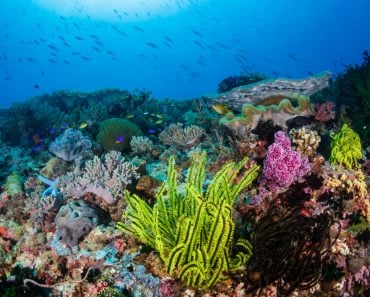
325, 112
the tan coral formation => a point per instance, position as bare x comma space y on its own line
352, 183
305, 141
141, 145
182, 138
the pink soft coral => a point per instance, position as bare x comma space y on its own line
283, 166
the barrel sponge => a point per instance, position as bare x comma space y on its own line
115, 134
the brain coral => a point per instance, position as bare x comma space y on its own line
116, 134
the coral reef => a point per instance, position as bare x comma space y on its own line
106, 179
266, 92
70, 146
183, 138
192, 225
346, 148
116, 134
351, 186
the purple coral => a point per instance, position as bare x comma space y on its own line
283, 166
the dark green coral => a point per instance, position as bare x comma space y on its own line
116, 134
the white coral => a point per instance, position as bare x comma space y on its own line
105, 179
71, 145
181, 137
141, 145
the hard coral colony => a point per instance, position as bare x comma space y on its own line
252, 206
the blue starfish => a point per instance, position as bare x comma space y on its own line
51, 190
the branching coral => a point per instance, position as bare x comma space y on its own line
105, 179
71, 145
305, 141
346, 148
193, 233
182, 138
350, 186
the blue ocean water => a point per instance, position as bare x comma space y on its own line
174, 48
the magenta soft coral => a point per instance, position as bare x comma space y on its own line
283, 166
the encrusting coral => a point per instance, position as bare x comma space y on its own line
193, 233
105, 179
13, 184
346, 148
